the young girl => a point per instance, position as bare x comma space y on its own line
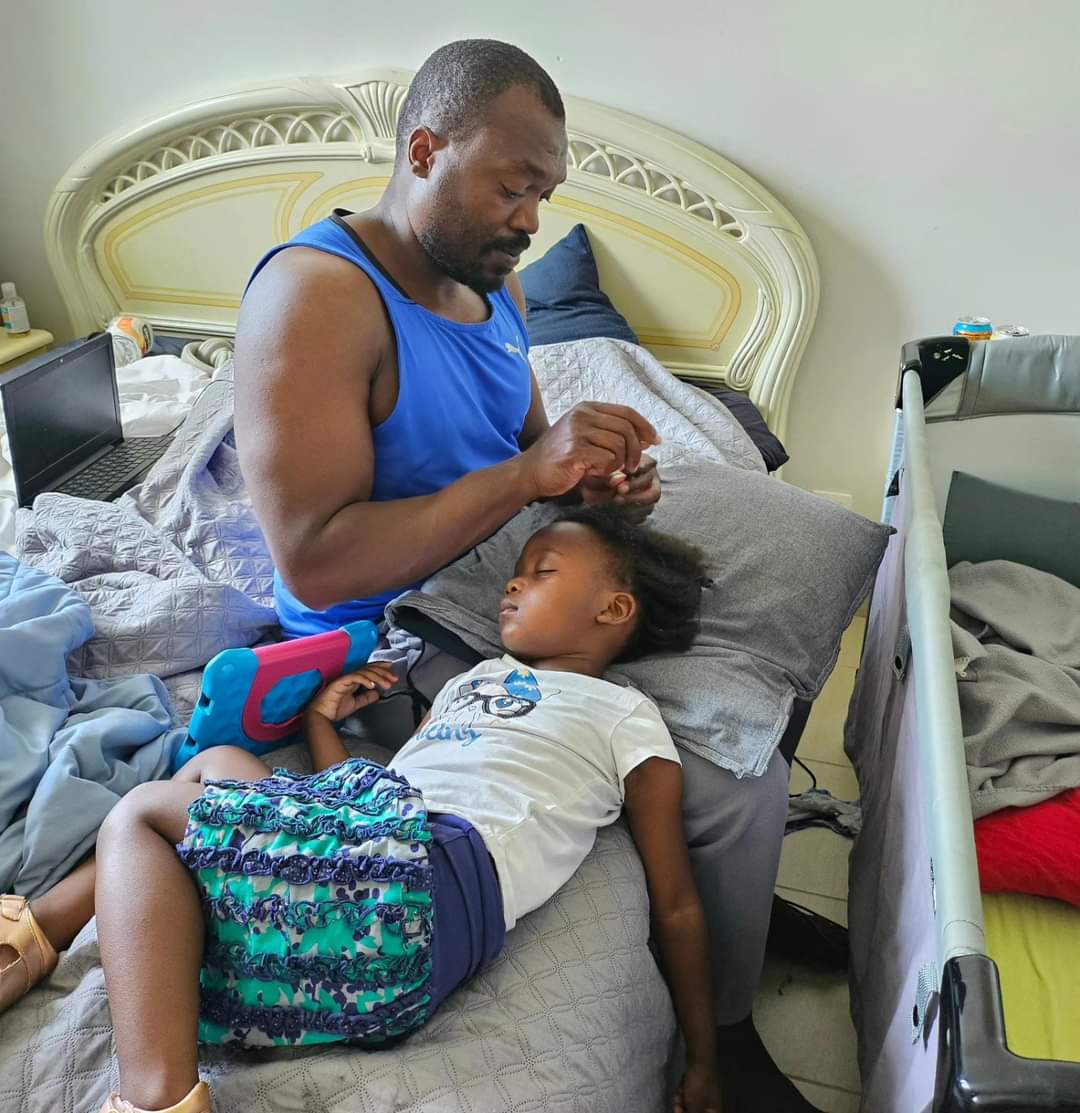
272, 908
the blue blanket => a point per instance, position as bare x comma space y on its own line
69, 748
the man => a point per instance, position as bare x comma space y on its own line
387, 420
383, 388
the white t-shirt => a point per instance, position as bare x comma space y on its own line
535, 760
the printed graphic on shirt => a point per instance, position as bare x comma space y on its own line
448, 732
516, 695
514, 349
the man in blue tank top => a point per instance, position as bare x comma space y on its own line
386, 416
387, 420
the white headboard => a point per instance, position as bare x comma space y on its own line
167, 221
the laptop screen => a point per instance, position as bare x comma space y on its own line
61, 411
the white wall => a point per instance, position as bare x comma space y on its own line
932, 155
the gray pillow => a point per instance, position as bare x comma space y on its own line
789, 570
984, 521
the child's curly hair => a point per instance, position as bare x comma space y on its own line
665, 575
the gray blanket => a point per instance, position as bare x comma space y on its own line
691, 422
573, 1015
1016, 640
174, 571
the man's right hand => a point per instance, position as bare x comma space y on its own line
592, 439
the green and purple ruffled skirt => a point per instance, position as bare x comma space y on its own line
317, 898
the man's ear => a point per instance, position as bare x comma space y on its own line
620, 609
423, 144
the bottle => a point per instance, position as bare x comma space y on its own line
13, 310
132, 338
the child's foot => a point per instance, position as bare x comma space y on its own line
196, 1101
26, 955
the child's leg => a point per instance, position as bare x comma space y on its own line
222, 763
66, 908
150, 931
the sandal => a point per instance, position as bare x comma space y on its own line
34, 958
196, 1101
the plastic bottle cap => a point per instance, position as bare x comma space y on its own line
8, 290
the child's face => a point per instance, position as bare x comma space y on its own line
562, 583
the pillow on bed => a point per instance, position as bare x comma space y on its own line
984, 521
563, 295
1032, 850
789, 570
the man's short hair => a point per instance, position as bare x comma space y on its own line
456, 84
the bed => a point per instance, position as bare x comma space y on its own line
961, 1000
720, 284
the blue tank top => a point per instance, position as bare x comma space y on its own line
463, 393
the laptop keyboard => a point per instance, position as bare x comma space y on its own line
103, 478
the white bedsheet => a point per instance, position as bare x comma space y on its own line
155, 395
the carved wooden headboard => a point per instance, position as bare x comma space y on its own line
166, 221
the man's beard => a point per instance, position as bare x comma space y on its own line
464, 263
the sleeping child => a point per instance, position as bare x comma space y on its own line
271, 908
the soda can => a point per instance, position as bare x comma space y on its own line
132, 338
974, 328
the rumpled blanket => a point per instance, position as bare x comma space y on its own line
69, 747
1016, 642
174, 571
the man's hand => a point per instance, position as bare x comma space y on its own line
699, 1091
639, 489
349, 693
594, 440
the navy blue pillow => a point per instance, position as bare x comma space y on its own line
563, 295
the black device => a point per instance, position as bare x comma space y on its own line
938, 360
62, 412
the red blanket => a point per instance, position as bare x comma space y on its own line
1032, 850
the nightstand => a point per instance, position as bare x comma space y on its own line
15, 349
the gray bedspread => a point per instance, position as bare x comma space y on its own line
691, 422
1016, 639
573, 1016
174, 571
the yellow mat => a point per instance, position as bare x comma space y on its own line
1036, 945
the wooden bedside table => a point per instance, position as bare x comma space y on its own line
15, 349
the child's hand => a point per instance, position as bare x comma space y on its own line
346, 695
699, 1092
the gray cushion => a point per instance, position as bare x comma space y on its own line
984, 521
789, 570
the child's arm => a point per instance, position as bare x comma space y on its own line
653, 804
338, 700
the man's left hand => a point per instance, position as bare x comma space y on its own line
639, 490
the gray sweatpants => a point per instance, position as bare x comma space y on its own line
734, 829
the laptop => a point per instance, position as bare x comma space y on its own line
62, 411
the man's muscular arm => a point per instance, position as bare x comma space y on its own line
311, 338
